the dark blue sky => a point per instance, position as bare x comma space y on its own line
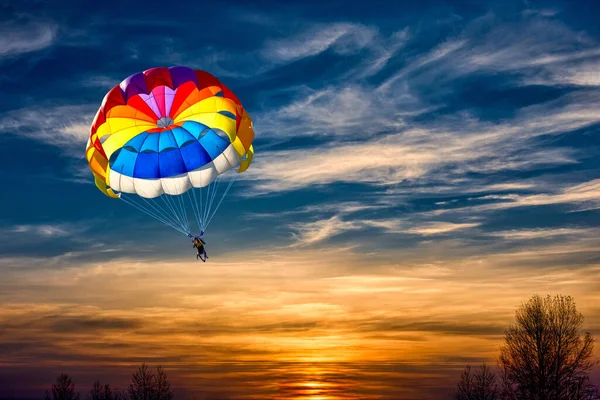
482, 115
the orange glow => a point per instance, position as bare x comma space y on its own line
291, 328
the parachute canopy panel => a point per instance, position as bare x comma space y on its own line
166, 130
170, 131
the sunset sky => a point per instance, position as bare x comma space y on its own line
422, 169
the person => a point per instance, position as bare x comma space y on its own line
199, 245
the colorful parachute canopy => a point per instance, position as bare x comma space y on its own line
166, 130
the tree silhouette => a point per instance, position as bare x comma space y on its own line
108, 393
147, 385
96, 392
545, 357
142, 386
63, 389
478, 385
119, 394
163, 386
99, 392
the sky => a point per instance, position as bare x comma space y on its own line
421, 170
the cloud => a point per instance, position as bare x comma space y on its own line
309, 233
100, 81
539, 50
585, 195
91, 325
66, 127
534, 234
20, 37
43, 230
436, 228
349, 110
414, 226
454, 145
439, 53
383, 50
343, 38
313, 232
354, 120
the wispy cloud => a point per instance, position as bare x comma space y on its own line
585, 195
314, 232
540, 50
533, 234
20, 37
436, 228
465, 144
309, 233
343, 38
44, 230
353, 118
66, 127
349, 110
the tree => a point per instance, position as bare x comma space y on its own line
163, 386
99, 392
119, 394
96, 392
108, 393
147, 385
480, 385
545, 355
142, 386
63, 389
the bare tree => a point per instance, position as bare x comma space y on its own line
100, 392
465, 385
108, 393
96, 392
163, 386
63, 389
148, 385
143, 384
478, 385
545, 356
119, 394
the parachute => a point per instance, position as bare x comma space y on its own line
164, 139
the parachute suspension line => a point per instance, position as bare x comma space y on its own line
187, 221
206, 203
167, 201
212, 198
176, 208
222, 198
198, 207
173, 211
181, 201
163, 213
193, 204
150, 213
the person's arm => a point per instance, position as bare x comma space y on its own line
202, 240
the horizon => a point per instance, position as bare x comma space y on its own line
421, 170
